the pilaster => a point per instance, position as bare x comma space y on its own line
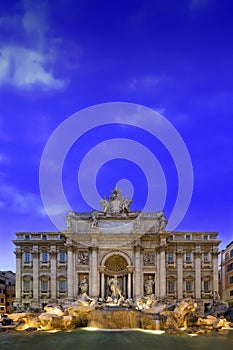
18, 286
215, 271
70, 271
35, 255
94, 274
162, 274
53, 279
197, 255
138, 273
179, 254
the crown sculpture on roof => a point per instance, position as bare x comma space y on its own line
116, 207
116, 204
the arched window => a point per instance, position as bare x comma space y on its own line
44, 283
27, 283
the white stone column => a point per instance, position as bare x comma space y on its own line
137, 276
215, 272
162, 273
102, 285
70, 272
124, 290
53, 276
197, 256
223, 274
35, 255
129, 285
179, 274
18, 285
157, 282
94, 273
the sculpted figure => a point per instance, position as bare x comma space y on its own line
162, 221
105, 204
125, 205
68, 223
94, 223
114, 287
138, 222
148, 259
84, 285
83, 258
149, 283
115, 194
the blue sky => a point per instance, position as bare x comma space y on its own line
59, 57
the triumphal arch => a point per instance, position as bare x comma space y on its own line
115, 252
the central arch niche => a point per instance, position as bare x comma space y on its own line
116, 264
119, 265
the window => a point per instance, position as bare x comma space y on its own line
62, 257
231, 293
2, 300
205, 237
206, 257
62, 286
188, 286
231, 253
171, 237
170, 257
26, 285
171, 286
206, 286
27, 237
27, 257
44, 257
188, 257
44, 285
231, 279
230, 267
187, 237
44, 237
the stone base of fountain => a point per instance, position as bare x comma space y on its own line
183, 317
114, 318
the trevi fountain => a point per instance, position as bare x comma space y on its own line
111, 309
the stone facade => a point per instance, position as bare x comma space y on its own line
134, 248
226, 274
7, 291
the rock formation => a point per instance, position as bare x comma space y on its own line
146, 313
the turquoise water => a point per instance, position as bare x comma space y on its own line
113, 340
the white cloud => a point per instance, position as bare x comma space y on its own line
22, 202
23, 67
4, 67
57, 209
31, 62
3, 158
145, 82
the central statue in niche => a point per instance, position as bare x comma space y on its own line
116, 204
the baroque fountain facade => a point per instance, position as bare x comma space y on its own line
131, 247
119, 261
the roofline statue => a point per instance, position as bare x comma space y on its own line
116, 204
